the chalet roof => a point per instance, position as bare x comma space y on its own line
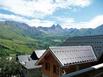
31, 65
70, 55
27, 62
74, 54
39, 53
24, 58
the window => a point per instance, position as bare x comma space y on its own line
55, 69
47, 66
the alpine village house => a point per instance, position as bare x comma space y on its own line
75, 54
57, 61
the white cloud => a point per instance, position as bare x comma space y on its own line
93, 23
41, 7
82, 3
98, 20
18, 6
72, 3
43, 23
65, 22
32, 22
64, 19
12, 17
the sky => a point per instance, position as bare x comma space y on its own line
67, 13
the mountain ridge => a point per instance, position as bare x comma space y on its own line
55, 29
20, 37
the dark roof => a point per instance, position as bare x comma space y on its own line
34, 56
70, 55
37, 54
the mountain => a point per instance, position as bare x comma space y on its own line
99, 30
13, 37
55, 29
86, 31
26, 29
20, 37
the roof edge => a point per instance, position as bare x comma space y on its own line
48, 50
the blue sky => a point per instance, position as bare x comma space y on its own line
67, 13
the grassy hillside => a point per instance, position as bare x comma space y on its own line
18, 37
14, 40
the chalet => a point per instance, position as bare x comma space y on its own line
28, 67
60, 60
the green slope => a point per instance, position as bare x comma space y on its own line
13, 38
19, 37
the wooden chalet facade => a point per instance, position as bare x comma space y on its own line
57, 61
